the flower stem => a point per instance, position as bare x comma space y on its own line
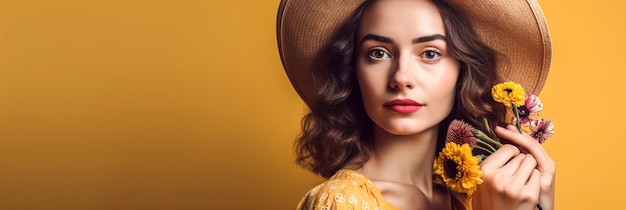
489, 148
482, 136
491, 133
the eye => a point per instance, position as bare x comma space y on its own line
378, 54
431, 55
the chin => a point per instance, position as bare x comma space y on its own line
408, 130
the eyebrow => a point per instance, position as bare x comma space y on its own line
390, 41
429, 38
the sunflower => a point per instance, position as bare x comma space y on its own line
509, 93
458, 168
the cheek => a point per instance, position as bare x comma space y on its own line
451, 83
446, 85
370, 83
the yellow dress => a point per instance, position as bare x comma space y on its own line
346, 190
349, 190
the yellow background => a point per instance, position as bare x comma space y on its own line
155, 104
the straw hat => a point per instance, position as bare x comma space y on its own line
516, 29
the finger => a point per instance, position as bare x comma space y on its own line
531, 189
502, 179
544, 162
525, 169
501, 156
513, 165
512, 134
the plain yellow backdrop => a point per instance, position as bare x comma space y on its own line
155, 104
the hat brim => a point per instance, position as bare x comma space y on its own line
516, 29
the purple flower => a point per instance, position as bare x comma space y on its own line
541, 130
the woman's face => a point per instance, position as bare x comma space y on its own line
406, 75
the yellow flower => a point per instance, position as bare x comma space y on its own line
526, 128
509, 93
458, 168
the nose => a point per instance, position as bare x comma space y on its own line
402, 77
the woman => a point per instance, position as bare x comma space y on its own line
383, 88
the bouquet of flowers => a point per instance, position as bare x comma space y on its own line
457, 164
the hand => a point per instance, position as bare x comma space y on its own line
545, 164
514, 178
511, 180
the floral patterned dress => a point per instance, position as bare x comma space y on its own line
349, 190
345, 190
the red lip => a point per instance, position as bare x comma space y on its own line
403, 105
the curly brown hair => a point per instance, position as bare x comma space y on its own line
337, 129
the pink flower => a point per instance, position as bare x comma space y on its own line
541, 130
530, 110
461, 133
533, 104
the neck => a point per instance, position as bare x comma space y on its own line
403, 159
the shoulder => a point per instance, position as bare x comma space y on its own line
344, 190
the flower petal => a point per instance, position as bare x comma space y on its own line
466, 175
541, 129
533, 104
509, 94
